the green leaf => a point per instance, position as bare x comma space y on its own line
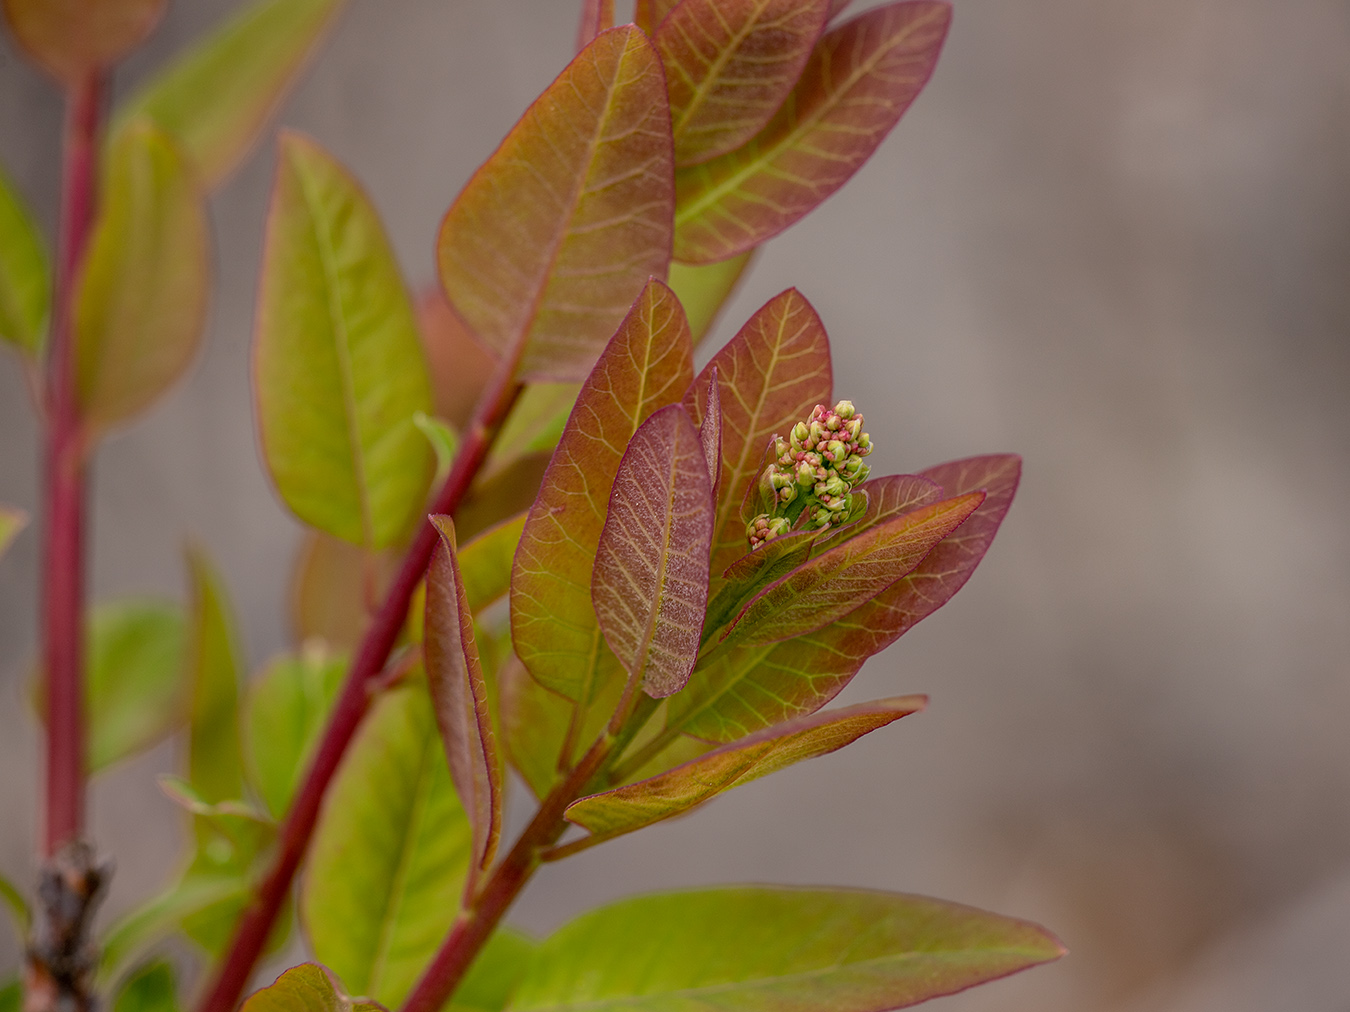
858, 82
551, 240
70, 38
13, 898
216, 98
850, 574
12, 521
703, 289
647, 365
444, 442
285, 711
535, 424
485, 563
770, 375
390, 854
495, 972
789, 950
338, 365
672, 793
135, 688
215, 763
153, 988
650, 582
729, 66
459, 696
11, 996
306, 988
336, 587
25, 279
141, 304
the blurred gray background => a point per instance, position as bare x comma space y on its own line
1112, 237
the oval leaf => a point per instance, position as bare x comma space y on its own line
216, 98
338, 366
858, 82
141, 302
729, 66
71, 38
747, 949
459, 695
215, 763
672, 793
25, 279
390, 853
647, 365
704, 289
850, 574
770, 375
152, 988
306, 988
546, 247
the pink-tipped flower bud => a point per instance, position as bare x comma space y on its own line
806, 474
835, 451
845, 410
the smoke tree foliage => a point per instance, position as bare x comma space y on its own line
633, 584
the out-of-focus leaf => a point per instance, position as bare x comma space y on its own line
704, 289
650, 581
596, 17
648, 14
216, 98
459, 696
494, 973
647, 365
746, 689
390, 854
837, 7
70, 38
459, 365
11, 996
790, 950
136, 932
859, 80
25, 279
551, 240
335, 588
306, 988
485, 563
141, 303
770, 376
850, 574
625, 809
135, 688
729, 66
285, 711
338, 366
535, 424
19, 913
152, 988
215, 764
444, 442
12, 521
495, 497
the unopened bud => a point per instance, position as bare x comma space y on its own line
844, 409
787, 494
834, 450
864, 445
806, 474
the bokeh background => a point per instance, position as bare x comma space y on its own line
1112, 237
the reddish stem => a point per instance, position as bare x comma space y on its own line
63, 547
256, 923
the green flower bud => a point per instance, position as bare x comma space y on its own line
844, 409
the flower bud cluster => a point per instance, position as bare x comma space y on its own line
814, 473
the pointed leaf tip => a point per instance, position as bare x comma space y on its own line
650, 581
306, 988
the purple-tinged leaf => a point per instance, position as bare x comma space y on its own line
550, 241
596, 16
765, 949
749, 688
837, 7
459, 694
850, 574
729, 66
650, 582
647, 365
858, 82
710, 430
71, 38
674, 792
648, 14
769, 376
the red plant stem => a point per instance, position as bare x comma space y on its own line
476, 924
63, 543
256, 923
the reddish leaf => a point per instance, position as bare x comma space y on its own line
860, 79
837, 7
647, 365
625, 809
730, 65
752, 687
460, 695
70, 38
850, 574
459, 366
548, 244
888, 497
648, 14
596, 17
650, 582
710, 430
770, 375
